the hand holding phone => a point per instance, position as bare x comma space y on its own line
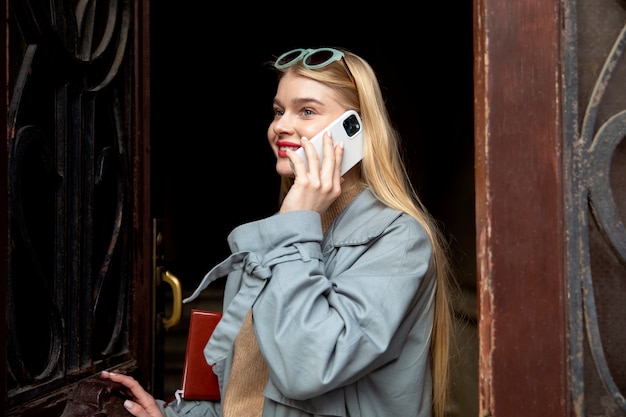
348, 129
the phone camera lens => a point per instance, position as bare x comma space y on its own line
351, 125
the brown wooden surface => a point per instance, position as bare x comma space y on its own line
520, 237
143, 337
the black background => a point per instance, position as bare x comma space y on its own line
212, 102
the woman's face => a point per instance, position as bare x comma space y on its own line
302, 107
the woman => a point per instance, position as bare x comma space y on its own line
337, 305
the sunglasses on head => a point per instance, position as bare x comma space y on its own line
311, 58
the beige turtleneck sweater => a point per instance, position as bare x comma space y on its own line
249, 374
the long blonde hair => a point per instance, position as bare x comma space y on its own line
383, 171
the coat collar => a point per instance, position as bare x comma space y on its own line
364, 219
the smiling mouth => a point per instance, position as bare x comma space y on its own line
283, 147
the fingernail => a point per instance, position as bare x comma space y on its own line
128, 404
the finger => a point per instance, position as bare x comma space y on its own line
135, 409
144, 404
313, 159
297, 163
338, 159
328, 164
128, 381
139, 410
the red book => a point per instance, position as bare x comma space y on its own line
199, 381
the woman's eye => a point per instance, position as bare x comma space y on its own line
307, 112
278, 112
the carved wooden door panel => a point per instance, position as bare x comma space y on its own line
76, 281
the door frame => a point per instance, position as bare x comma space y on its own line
520, 232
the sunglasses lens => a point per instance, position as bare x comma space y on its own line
288, 57
318, 57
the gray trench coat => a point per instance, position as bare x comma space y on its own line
343, 319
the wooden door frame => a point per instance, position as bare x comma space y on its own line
144, 338
520, 234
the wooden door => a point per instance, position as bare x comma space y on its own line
551, 206
77, 274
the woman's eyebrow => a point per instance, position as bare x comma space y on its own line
306, 100
299, 102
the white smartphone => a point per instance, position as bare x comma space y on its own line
348, 129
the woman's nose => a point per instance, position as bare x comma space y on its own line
283, 126
285, 123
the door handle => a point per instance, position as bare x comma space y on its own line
161, 274
177, 300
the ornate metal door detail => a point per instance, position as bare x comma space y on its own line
596, 163
70, 195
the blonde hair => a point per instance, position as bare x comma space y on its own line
383, 171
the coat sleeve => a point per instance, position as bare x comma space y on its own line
191, 409
320, 330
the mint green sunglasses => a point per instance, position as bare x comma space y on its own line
311, 58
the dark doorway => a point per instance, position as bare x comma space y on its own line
211, 105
